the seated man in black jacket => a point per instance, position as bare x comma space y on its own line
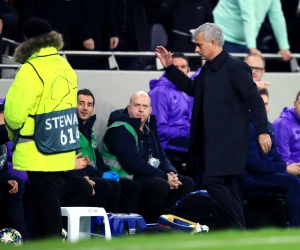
131, 148
11, 191
113, 194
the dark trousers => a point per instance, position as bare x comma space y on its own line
13, 215
289, 184
130, 196
75, 191
224, 193
107, 194
157, 195
47, 220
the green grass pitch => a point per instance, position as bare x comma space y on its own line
249, 239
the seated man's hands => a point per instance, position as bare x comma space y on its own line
91, 182
173, 180
14, 185
293, 169
110, 175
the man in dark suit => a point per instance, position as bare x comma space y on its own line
224, 92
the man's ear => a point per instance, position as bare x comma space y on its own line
188, 69
214, 43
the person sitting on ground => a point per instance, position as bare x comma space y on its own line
111, 192
268, 172
131, 148
173, 111
287, 129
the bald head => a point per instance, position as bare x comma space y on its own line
139, 106
140, 94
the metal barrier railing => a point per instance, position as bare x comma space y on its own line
10, 43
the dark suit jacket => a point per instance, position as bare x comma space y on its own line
224, 93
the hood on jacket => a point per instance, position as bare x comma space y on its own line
290, 114
121, 115
34, 44
162, 81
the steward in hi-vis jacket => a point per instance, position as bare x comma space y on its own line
41, 117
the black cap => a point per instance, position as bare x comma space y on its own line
36, 27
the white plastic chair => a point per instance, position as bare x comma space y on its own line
74, 214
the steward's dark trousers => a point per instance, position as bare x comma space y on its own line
224, 193
157, 195
14, 208
286, 183
47, 220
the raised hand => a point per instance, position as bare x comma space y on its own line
164, 56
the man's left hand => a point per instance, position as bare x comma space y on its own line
265, 142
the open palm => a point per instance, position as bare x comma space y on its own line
164, 56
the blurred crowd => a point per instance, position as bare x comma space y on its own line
127, 25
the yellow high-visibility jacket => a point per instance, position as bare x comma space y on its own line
44, 84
